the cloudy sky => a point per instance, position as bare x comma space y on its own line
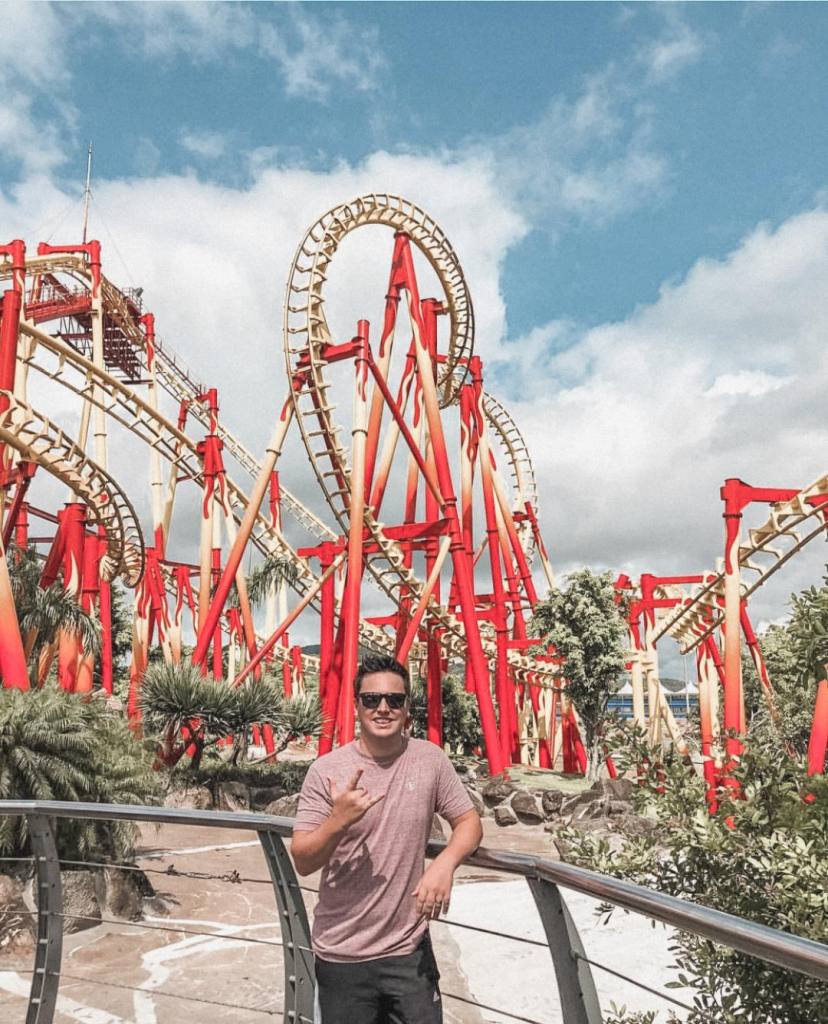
637, 194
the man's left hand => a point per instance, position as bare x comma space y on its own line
434, 890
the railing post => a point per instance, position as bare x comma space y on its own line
300, 979
49, 945
579, 1000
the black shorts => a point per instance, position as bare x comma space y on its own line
390, 990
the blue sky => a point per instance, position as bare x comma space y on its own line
637, 193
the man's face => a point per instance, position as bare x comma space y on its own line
383, 721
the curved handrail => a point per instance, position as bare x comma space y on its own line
769, 944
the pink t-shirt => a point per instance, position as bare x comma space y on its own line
365, 907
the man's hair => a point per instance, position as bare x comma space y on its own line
372, 663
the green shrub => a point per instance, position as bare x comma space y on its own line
60, 746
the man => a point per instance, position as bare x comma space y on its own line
364, 817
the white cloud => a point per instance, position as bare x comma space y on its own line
679, 47
207, 145
752, 383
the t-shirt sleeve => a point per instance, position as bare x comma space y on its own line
314, 802
452, 798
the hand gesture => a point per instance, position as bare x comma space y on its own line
434, 890
352, 803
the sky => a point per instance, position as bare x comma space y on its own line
637, 194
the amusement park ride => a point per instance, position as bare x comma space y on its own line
398, 457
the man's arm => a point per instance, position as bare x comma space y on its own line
313, 850
433, 892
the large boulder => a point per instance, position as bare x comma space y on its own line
477, 801
124, 893
232, 796
527, 808
504, 815
80, 900
197, 798
497, 790
551, 801
617, 789
262, 796
284, 807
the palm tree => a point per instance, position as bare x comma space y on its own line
185, 708
45, 613
56, 747
274, 570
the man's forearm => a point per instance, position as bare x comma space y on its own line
465, 838
312, 850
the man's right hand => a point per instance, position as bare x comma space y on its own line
352, 803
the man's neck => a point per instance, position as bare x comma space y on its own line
381, 749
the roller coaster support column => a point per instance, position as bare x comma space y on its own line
89, 601
356, 523
758, 661
105, 608
254, 504
156, 479
329, 554
12, 658
74, 525
503, 687
462, 567
818, 742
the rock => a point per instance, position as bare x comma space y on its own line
437, 830
232, 796
284, 807
504, 815
198, 798
80, 900
11, 890
497, 790
551, 801
477, 801
636, 825
617, 808
618, 789
124, 893
265, 795
527, 809
589, 796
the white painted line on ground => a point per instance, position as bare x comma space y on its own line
12, 982
197, 849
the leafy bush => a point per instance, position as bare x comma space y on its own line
185, 708
288, 775
763, 858
57, 746
461, 721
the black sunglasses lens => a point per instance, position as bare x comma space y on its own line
371, 701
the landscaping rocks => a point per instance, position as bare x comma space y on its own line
284, 807
527, 808
497, 790
232, 796
264, 796
124, 893
504, 815
551, 801
80, 900
198, 798
477, 801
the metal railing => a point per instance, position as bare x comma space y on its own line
576, 988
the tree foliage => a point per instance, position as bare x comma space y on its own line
56, 746
461, 720
585, 626
184, 707
763, 858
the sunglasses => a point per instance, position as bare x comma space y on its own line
371, 701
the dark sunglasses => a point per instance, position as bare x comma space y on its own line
371, 701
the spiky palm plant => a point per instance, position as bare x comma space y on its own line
54, 746
274, 570
178, 701
43, 613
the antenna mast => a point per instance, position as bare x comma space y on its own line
87, 194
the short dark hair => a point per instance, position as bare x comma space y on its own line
372, 663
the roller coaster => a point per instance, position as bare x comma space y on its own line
403, 560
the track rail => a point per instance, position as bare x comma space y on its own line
791, 524
39, 440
